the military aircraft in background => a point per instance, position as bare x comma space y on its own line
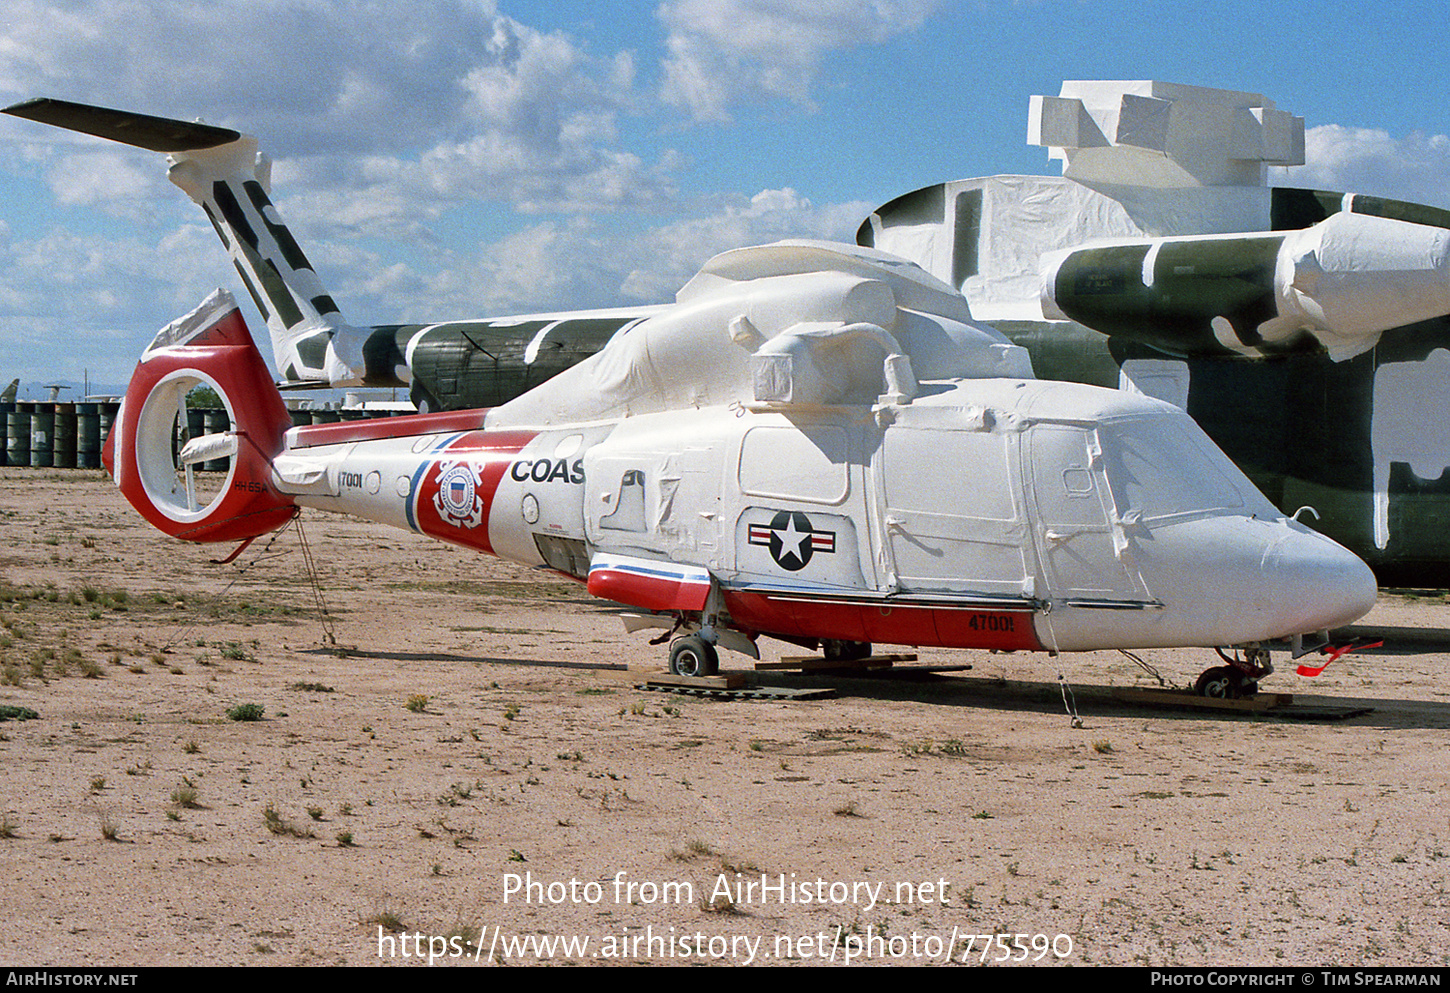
1305, 330
449, 365
816, 443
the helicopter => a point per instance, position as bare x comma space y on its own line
814, 443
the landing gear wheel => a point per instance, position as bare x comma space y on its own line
693, 656
1224, 683
844, 651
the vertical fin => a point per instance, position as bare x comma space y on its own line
230, 182
221, 170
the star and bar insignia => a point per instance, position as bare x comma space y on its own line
792, 539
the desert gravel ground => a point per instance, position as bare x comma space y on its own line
471, 772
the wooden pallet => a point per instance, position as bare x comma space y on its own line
1255, 704
1278, 704
808, 663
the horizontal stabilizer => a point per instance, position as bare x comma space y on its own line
222, 171
156, 134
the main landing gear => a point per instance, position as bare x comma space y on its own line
1240, 678
696, 655
692, 655
844, 651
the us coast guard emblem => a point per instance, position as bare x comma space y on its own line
457, 500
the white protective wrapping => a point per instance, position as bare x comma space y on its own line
1024, 217
1352, 277
1166, 135
701, 352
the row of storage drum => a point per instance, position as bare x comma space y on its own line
44, 434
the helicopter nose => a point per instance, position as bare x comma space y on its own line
1318, 584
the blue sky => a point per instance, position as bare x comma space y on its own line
471, 157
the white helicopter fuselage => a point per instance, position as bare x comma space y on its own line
1007, 514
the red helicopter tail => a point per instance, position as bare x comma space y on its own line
155, 455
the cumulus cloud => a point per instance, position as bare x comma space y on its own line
118, 183
554, 266
349, 72
70, 302
494, 166
723, 52
670, 254
442, 101
1367, 160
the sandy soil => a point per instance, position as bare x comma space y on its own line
472, 775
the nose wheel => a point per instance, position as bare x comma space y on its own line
1238, 679
1224, 683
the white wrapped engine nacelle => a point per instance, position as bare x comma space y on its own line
822, 364
1337, 285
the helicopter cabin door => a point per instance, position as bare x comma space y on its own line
1074, 532
954, 518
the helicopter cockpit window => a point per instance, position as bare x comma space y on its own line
1156, 466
